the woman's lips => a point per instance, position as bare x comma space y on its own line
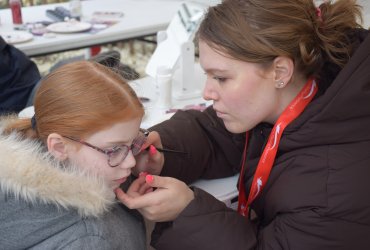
220, 114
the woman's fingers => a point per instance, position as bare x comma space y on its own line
138, 183
149, 159
152, 139
168, 199
147, 198
121, 195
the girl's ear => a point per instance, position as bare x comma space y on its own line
57, 147
283, 71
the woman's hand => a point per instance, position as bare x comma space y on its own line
151, 160
165, 203
139, 186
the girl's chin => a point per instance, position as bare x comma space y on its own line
115, 186
118, 182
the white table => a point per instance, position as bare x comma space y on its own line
141, 18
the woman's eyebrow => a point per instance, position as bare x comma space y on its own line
215, 70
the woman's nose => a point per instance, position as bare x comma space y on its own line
209, 93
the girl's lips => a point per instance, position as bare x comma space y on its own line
120, 181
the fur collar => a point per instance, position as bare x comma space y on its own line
30, 173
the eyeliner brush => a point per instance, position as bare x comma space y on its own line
162, 150
170, 151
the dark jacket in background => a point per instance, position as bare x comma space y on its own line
317, 194
18, 76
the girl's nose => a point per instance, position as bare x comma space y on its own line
129, 161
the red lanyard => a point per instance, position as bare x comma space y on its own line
294, 109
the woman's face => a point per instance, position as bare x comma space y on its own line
83, 156
243, 94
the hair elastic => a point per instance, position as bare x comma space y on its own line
318, 13
33, 122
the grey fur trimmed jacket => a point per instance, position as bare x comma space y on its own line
44, 205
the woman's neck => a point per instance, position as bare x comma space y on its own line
288, 93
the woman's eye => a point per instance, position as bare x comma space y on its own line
220, 79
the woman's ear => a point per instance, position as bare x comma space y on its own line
283, 71
57, 146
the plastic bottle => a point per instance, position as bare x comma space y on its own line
75, 7
16, 8
164, 84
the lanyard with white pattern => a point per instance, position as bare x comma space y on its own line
294, 109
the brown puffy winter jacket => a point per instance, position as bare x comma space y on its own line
317, 196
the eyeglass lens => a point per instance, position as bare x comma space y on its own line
117, 156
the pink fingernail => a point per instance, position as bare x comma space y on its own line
149, 179
152, 150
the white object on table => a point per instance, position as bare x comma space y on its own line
175, 49
164, 85
15, 37
146, 87
75, 7
69, 27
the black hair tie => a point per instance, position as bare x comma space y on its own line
33, 122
